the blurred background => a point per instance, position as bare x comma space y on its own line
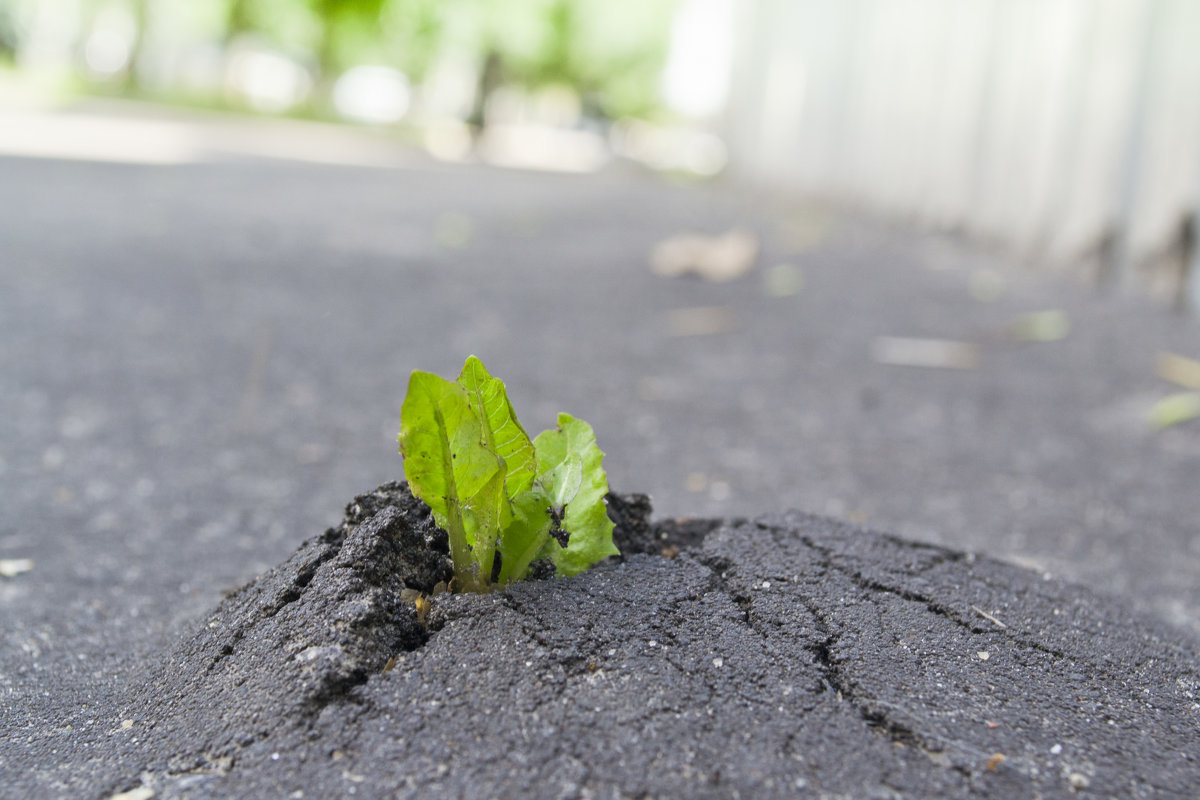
1066, 130
556, 84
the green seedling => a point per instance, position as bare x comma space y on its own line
505, 501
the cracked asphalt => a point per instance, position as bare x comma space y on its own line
786, 656
200, 363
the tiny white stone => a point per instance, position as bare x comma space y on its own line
1056, 749
12, 567
718, 661
983, 655
310, 654
139, 793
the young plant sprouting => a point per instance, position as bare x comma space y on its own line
495, 491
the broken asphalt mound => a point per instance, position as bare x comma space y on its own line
787, 655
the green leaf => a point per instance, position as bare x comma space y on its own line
449, 467
485, 515
526, 536
502, 433
574, 481
562, 483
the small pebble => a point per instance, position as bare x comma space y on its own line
139, 793
12, 567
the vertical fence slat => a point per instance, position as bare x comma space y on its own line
1053, 125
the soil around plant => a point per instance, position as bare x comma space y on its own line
790, 655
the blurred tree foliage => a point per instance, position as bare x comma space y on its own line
8, 34
610, 51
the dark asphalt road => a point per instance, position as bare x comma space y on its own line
200, 364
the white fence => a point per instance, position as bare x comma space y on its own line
1069, 129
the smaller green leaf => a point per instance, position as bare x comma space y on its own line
562, 483
525, 538
584, 512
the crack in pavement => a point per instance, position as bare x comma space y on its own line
777, 642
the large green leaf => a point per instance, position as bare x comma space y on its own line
573, 478
502, 433
449, 467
